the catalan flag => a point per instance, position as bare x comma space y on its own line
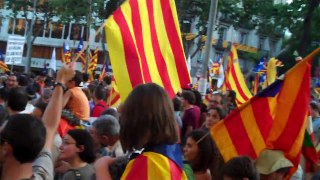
93, 62
260, 70
114, 95
3, 65
81, 55
164, 162
66, 53
275, 118
234, 78
104, 71
145, 46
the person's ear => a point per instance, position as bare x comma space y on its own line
81, 148
6, 149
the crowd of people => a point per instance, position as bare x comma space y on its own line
64, 128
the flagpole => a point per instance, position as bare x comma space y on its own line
211, 24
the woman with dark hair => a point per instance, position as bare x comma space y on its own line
77, 150
214, 115
199, 152
149, 130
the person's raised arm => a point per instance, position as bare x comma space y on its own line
52, 114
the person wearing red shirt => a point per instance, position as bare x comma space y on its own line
98, 98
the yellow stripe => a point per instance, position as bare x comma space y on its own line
292, 85
154, 73
234, 87
165, 47
241, 80
296, 147
221, 137
158, 166
252, 128
127, 170
117, 57
126, 10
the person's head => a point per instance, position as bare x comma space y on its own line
188, 98
107, 80
39, 109
3, 95
214, 115
23, 81
77, 144
75, 81
99, 93
46, 95
85, 77
199, 150
198, 98
105, 130
31, 92
17, 99
49, 82
176, 104
111, 111
231, 96
272, 164
147, 118
22, 138
216, 100
11, 81
314, 109
240, 168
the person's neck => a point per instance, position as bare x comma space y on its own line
12, 112
77, 163
12, 169
189, 106
114, 140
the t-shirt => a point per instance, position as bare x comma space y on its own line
99, 108
42, 167
86, 173
189, 118
198, 115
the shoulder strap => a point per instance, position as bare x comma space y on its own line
76, 174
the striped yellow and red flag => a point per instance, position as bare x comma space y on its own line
234, 78
114, 95
145, 46
93, 63
162, 163
275, 118
3, 65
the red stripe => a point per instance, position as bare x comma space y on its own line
161, 64
115, 99
238, 135
261, 111
175, 170
130, 52
135, 13
297, 115
139, 169
175, 44
238, 86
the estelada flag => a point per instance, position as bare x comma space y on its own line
145, 46
274, 119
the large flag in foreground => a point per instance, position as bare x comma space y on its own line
145, 45
234, 78
275, 118
114, 96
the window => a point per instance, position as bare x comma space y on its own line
57, 30
66, 31
38, 28
75, 32
222, 33
243, 38
20, 27
261, 43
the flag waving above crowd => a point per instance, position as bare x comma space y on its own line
145, 46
